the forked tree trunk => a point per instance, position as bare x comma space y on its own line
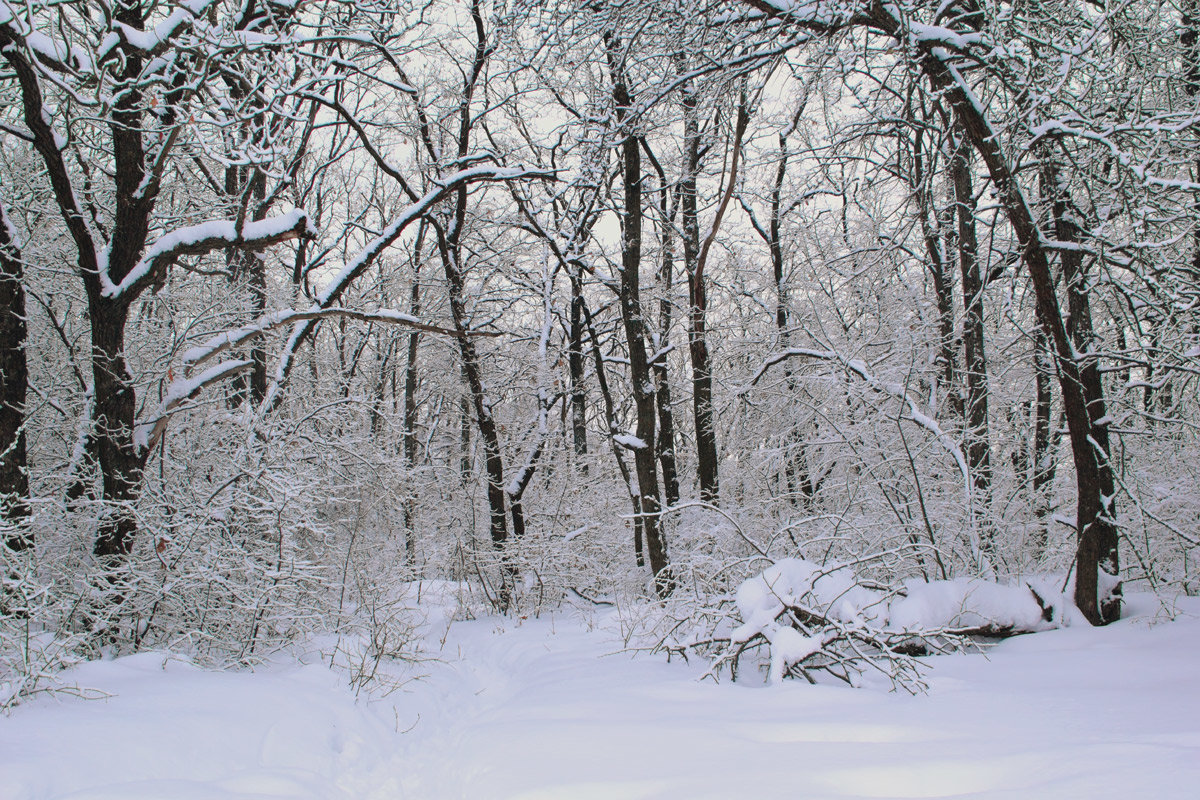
634, 324
662, 383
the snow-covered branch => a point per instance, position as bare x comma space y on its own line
148, 433
204, 238
181, 389
278, 319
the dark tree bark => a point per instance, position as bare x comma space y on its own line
693, 264
1044, 440
662, 384
634, 323
249, 271
410, 411
1082, 337
979, 451
121, 464
14, 383
578, 390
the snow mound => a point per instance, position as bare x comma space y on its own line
971, 603
831, 590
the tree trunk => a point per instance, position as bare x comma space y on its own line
1079, 329
662, 342
120, 462
706, 436
1044, 442
578, 391
634, 324
248, 271
14, 382
410, 419
976, 433
484, 423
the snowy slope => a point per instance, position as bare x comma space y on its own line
548, 709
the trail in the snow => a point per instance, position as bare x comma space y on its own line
550, 708
554, 713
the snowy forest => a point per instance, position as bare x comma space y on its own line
830, 334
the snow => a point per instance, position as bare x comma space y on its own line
148, 41
833, 591
550, 708
628, 440
794, 582
577, 532
973, 603
921, 33
788, 647
181, 389
225, 340
210, 234
47, 47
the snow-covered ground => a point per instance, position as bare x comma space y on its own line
548, 708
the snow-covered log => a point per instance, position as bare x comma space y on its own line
823, 617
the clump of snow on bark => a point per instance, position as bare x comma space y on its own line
789, 647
